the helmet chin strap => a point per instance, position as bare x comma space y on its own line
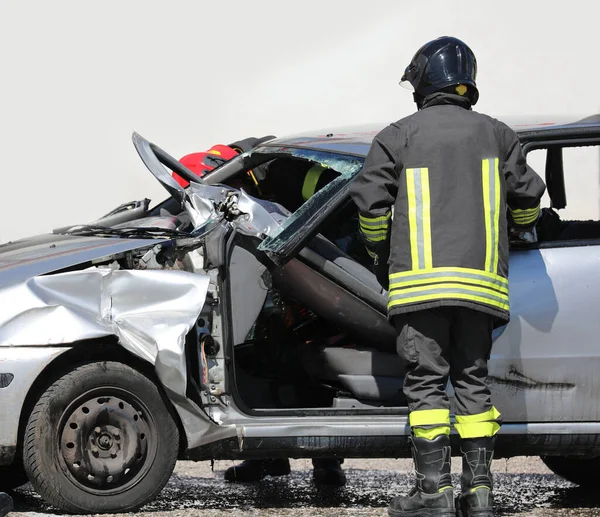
419, 99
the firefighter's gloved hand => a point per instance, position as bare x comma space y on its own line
525, 236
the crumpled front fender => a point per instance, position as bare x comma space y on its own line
150, 312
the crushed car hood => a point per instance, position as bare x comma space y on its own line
43, 254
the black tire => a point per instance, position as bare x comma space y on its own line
100, 440
12, 476
579, 470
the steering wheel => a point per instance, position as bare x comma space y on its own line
157, 161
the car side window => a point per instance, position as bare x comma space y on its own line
571, 204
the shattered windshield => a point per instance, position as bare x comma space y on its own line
346, 165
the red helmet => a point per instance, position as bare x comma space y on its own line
201, 163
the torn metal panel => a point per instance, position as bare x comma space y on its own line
149, 311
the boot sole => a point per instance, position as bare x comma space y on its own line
475, 513
424, 512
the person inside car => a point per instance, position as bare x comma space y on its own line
292, 187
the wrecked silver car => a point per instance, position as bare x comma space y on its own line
231, 322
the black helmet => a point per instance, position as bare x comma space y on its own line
441, 63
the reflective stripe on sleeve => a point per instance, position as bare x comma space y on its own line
525, 217
375, 229
478, 426
310, 181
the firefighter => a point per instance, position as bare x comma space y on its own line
454, 179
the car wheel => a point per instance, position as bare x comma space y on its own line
579, 470
100, 439
12, 476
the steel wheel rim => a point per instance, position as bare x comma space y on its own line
107, 441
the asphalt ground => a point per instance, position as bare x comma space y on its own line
524, 487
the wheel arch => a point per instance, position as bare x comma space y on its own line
89, 351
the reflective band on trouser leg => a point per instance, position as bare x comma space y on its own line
310, 181
525, 217
375, 229
419, 217
430, 423
478, 426
491, 208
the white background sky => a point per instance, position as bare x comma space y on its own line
78, 76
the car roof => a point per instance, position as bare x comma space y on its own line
357, 139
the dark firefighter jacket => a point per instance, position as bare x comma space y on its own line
453, 178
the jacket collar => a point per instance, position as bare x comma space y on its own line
446, 99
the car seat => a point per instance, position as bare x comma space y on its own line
334, 286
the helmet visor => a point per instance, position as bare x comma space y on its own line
407, 85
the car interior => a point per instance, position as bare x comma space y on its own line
305, 352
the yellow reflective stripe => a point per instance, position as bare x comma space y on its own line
412, 217
491, 208
450, 269
480, 488
496, 216
375, 226
445, 296
419, 217
478, 430
484, 290
479, 425
446, 279
426, 218
310, 181
486, 416
376, 239
485, 177
370, 221
429, 417
431, 433
448, 291
368, 231
525, 217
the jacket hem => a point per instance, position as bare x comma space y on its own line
501, 317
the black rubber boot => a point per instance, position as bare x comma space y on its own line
328, 472
250, 471
6, 504
476, 498
432, 496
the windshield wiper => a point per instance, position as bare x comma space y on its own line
126, 233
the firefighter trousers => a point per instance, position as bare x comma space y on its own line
440, 344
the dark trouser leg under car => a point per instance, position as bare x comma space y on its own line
326, 471
438, 344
